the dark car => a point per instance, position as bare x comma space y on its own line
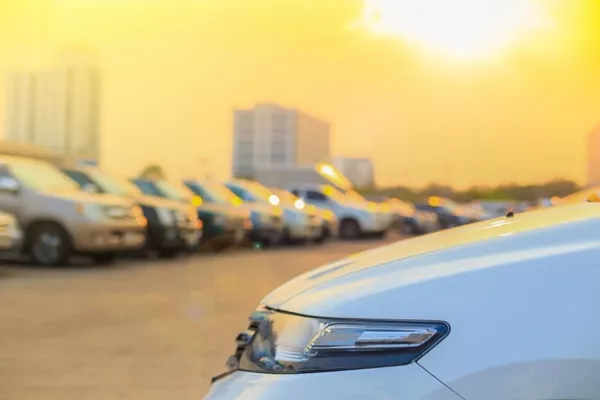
162, 232
450, 214
224, 219
188, 224
414, 221
268, 223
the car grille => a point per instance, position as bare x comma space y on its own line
242, 340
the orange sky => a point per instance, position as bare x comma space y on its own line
174, 69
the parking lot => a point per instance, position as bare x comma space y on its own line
137, 330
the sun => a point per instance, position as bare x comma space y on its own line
457, 28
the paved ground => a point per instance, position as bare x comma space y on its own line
136, 330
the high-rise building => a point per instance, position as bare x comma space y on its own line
56, 109
359, 170
269, 135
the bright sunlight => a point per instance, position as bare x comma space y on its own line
458, 28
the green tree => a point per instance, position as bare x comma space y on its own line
153, 171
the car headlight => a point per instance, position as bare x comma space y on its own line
291, 344
91, 211
8, 222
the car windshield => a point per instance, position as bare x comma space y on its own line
258, 191
114, 185
174, 191
41, 176
214, 192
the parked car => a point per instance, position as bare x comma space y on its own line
296, 223
221, 212
580, 196
413, 221
59, 220
357, 219
380, 207
493, 311
450, 214
163, 235
189, 226
11, 237
316, 223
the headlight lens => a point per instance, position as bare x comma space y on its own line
94, 212
290, 344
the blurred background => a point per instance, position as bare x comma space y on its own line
509, 96
155, 135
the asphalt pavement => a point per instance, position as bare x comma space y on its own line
137, 329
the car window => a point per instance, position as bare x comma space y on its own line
79, 177
219, 193
42, 176
148, 188
115, 185
174, 191
241, 193
316, 196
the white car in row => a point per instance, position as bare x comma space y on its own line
496, 310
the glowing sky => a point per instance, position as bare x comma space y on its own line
422, 109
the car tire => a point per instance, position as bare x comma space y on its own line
104, 258
48, 244
408, 229
350, 230
322, 237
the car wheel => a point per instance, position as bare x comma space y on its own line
104, 258
408, 229
49, 245
322, 237
349, 229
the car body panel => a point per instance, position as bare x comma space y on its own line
519, 294
351, 385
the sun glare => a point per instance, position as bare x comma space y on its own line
458, 28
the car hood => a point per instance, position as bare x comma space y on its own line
228, 210
428, 277
95, 198
155, 201
261, 208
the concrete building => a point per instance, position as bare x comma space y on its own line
56, 109
593, 159
359, 170
269, 135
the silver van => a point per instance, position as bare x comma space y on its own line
59, 220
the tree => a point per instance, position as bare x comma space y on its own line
152, 171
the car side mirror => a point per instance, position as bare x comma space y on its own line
9, 185
90, 188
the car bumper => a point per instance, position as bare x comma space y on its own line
375, 225
271, 234
101, 237
410, 382
11, 242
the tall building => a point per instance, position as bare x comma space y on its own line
269, 135
593, 159
56, 109
359, 170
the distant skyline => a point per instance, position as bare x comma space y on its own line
175, 70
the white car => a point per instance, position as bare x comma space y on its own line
501, 309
